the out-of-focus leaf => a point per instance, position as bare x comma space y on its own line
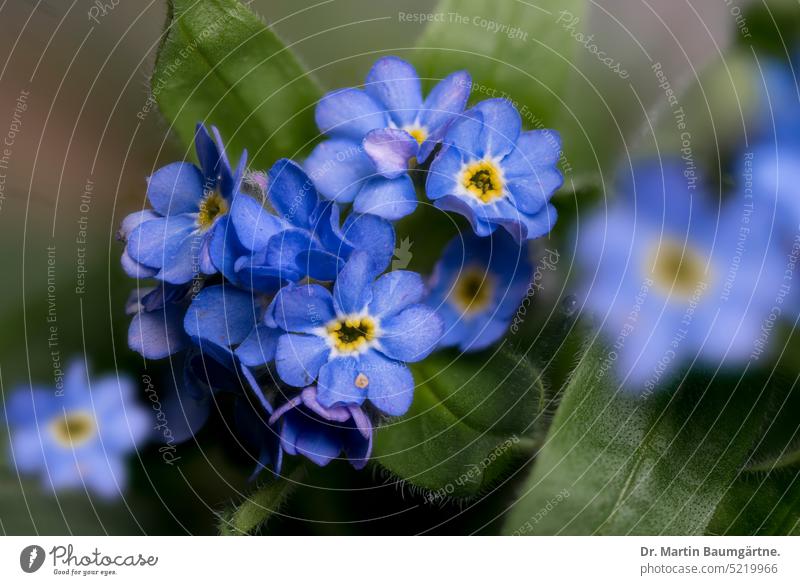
471, 414
659, 464
219, 64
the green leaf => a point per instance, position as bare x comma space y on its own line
251, 514
760, 504
219, 64
531, 66
471, 414
658, 464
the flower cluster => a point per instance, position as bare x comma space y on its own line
274, 285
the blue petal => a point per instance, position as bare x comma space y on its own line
210, 156
254, 224
337, 383
390, 150
302, 308
283, 251
176, 188
320, 265
480, 334
254, 273
104, 476
394, 83
501, 127
315, 440
339, 169
221, 314
352, 291
349, 113
292, 193
373, 234
390, 384
224, 248
391, 199
229, 181
532, 193
158, 334
395, 291
259, 347
443, 174
479, 223
26, 450
446, 99
25, 405
123, 424
534, 150
358, 444
412, 334
527, 227
465, 135
298, 358
170, 244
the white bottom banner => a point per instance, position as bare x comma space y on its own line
396, 560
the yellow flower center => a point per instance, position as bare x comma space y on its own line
677, 269
351, 334
419, 133
73, 429
483, 180
473, 290
212, 206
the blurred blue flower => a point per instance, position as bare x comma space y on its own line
292, 233
476, 287
376, 132
321, 433
671, 280
495, 175
171, 241
77, 436
354, 342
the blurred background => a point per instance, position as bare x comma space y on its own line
78, 160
